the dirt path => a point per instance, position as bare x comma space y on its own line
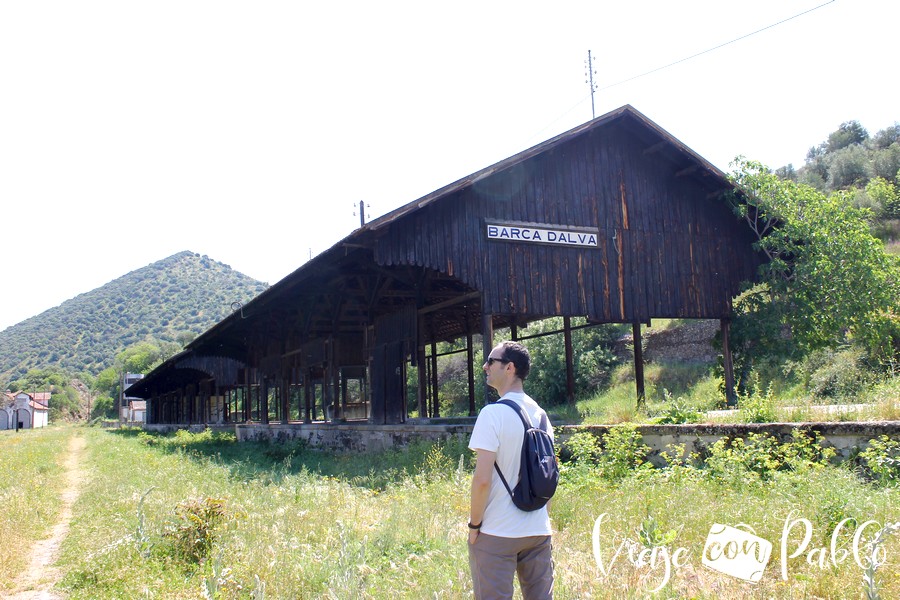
37, 582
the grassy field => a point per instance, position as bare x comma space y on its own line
199, 516
690, 393
28, 511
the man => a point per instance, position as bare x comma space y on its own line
503, 540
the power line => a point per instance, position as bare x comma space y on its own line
687, 58
679, 61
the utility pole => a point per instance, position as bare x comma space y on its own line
362, 212
590, 80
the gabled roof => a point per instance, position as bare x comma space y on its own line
36, 400
656, 140
622, 113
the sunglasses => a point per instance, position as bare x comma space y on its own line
491, 360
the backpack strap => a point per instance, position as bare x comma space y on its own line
526, 422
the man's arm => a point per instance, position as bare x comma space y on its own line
481, 488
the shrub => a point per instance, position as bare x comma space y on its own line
880, 461
806, 451
582, 448
835, 373
677, 410
623, 452
761, 455
735, 458
755, 405
194, 536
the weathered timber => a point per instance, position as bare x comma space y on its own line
614, 221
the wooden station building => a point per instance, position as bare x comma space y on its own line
615, 221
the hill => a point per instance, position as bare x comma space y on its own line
173, 299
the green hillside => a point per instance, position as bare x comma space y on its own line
173, 300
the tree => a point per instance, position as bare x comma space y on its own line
886, 196
140, 358
885, 163
183, 338
887, 136
107, 381
827, 279
849, 133
103, 406
592, 349
847, 167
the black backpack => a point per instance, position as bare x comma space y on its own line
538, 470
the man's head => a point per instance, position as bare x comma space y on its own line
507, 359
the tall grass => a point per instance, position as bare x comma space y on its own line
30, 484
284, 521
695, 388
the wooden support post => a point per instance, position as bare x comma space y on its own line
422, 391
304, 380
570, 360
330, 383
264, 400
470, 368
205, 399
307, 393
487, 344
247, 395
294, 386
435, 402
638, 362
728, 364
422, 371
285, 396
343, 382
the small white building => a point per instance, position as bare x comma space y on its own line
125, 408
24, 411
137, 411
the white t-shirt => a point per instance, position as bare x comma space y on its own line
499, 429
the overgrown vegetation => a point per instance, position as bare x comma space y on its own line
827, 281
197, 515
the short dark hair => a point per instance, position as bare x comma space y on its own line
518, 355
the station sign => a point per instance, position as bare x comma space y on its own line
539, 233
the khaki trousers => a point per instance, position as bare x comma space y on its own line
494, 561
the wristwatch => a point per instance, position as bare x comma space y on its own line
474, 526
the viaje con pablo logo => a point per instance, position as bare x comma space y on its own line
737, 551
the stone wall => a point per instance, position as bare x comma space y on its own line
352, 436
844, 437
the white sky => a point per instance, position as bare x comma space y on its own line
248, 131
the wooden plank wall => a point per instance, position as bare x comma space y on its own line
666, 249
